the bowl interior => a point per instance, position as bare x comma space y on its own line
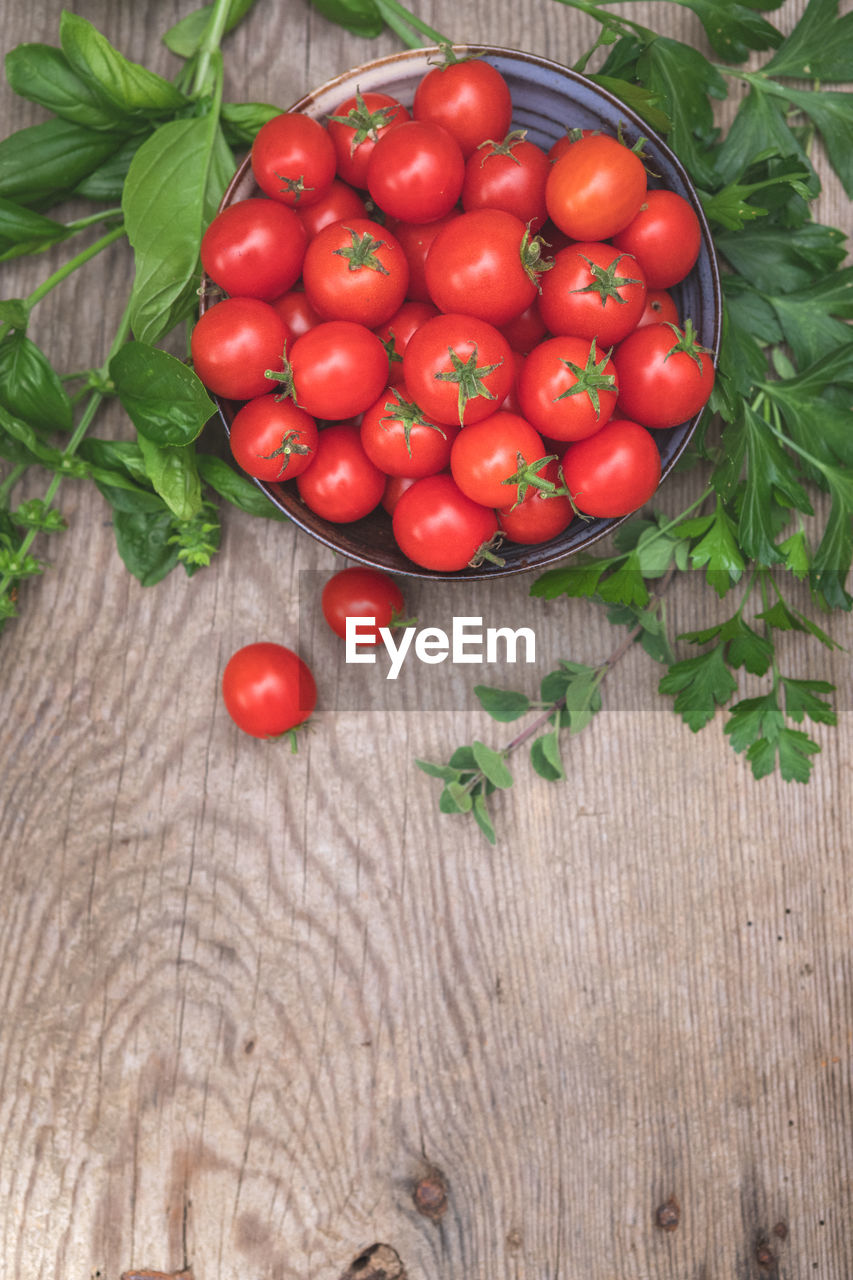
548, 99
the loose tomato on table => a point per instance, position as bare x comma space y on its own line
458, 368
665, 376
336, 369
664, 237
416, 171
613, 472
468, 97
293, 159
273, 439
439, 528
362, 593
595, 188
268, 690
401, 440
341, 484
355, 270
356, 126
485, 263
492, 460
254, 249
593, 291
233, 345
567, 387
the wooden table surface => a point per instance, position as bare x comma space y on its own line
250, 1001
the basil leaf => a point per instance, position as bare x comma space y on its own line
236, 488
118, 84
164, 399
106, 183
174, 475
23, 231
173, 187
41, 73
185, 37
44, 162
124, 455
242, 120
362, 17
143, 542
30, 387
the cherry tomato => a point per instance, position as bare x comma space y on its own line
416, 240
293, 159
273, 439
338, 369
562, 144
567, 387
400, 440
593, 291
613, 472
660, 308
438, 527
526, 329
254, 249
664, 375
458, 368
509, 175
268, 689
664, 237
395, 487
489, 458
595, 188
355, 270
484, 264
540, 515
296, 312
341, 484
361, 593
469, 97
355, 128
234, 343
416, 172
336, 203
397, 331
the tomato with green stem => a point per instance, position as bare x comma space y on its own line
595, 188
509, 175
268, 690
458, 368
336, 369
355, 128
543, 513
495, 461
613, 472
466, 96
665, 375
355, 270
438, 527
567, 387
593, 291
235, 343
254, 249
362, 592
401, 440
293, 159
273, 439
485, 263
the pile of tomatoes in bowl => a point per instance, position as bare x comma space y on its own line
442, 346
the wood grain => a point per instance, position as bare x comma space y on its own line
252, 1001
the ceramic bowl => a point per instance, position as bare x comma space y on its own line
548, 99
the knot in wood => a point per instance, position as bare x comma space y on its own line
668, 1214
430, 1195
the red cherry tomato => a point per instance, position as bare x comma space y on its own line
664, 375
613, 472
400, 440
416, 172
356, 126
395, 487
397, 331
484, 264
458, 368
273, 439
416, 240
361, 593
470, 98
338, 369
234, 343
296, 312
438, 527
338, 201
595, 188
660, 308
540, 515
268, 690
487, 457
664, 237
593, 291
293, 159
355, 270
341, 484
254, 249
567, 387
509, 175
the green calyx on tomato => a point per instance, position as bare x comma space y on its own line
688, 342
605, 282
361, 253
284, 377
505, 148
528, 476
409, 415
290, 444
365, 123
469, 377
294, 187
530, 252
590, 378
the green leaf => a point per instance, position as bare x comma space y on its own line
791, 750
175, 182
645, 102
174, 476
625, 584
41, 164
22, 231
502, 704
13, 311
185, 37
809, 318
832, 114
780, 259
541, 753
718, 553
699, 685
118, 84
801, 700
242, 120
684, 80
143, 542
444, 771
752, 719
795, 551
30, 387
165, 400
457, 795
784, 617
236, 488
106, 182
759, 128
734, 29
819, 48
583, 697
481, 816
492, 764
832, 559
42, 73
361, 17
577, 579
